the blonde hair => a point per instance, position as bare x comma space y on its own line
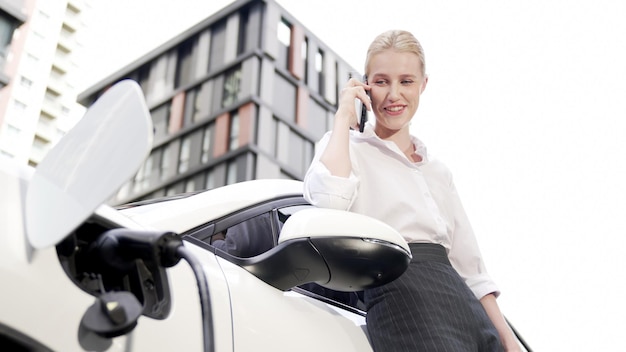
398, 40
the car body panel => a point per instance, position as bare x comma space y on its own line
183, 214
267, 319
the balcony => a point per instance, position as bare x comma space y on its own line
46, 130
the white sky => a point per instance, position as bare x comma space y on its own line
526, 104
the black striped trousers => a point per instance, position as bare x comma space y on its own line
429, 308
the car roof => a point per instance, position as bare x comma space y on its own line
182, 213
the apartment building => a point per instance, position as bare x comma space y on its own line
38, 102
242, 95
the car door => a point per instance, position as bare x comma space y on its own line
307, 318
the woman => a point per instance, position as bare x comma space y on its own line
445, 301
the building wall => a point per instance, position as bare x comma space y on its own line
243, 95
39, 104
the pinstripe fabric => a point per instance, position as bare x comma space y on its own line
429, 308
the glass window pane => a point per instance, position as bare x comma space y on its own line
284, 32
210, 180
190, 185
316, 118
185, 152
232, 87
184, 63
319, 67
160, 121
207, 139
248, 238
234, 132
231, 172
284, 98
165, 162
218, 44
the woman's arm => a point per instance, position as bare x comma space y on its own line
336, 156
506, 334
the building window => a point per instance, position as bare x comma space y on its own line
165, 162
232, 87
207, 141
185, 154
39, 144
190, 185
39, 39
319, 69
231, 172
31, 59
210, 180
160, 121
142, 179
143, 78
19, 107
6, 33
244, 15
293, 150
175, 189
300, 152
25, 82
233, 134
284, 32
284, 38
284, 98
184, 62
218, 45
316, 118
197, 103
51, 95
12, 132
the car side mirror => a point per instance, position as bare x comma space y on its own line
360, 251
340, 250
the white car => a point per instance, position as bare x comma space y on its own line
263, 270
80, 275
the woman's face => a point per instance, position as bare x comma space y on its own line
397, 82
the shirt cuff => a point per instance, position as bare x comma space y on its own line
324, 190
482, 286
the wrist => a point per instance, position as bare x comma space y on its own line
344, 119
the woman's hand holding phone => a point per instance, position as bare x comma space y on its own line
362, 100
363, 110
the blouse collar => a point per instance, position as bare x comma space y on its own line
370, 136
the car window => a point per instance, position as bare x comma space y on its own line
248, 238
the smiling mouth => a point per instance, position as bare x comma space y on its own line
394, 108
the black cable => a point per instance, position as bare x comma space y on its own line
205, 298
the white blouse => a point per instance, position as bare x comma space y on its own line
418, 199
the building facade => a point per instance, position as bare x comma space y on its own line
242, 95
38, 104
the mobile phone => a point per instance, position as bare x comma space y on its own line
363, 109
